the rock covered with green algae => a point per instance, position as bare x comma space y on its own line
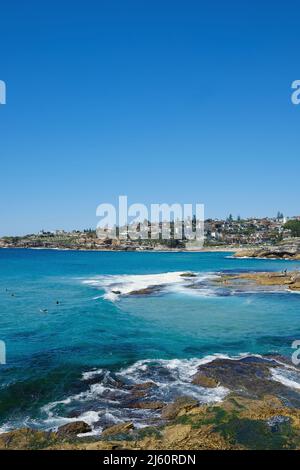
258, 413
237, 423
27, 439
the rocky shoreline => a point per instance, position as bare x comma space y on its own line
284, 280
130, 247
221, 284
288, 250
259, 412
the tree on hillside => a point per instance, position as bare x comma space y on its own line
280, 215
294, 226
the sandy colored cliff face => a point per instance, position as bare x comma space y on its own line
288, 249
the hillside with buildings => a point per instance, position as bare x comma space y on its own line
229, 233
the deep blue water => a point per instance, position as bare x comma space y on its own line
50, 345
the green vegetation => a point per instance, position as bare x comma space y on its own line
294, 226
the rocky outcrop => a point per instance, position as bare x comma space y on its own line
180, 406
204, 381
27, 439
248, 376
289, 249
287, 280
238, 423
117, 429
188, 274
258, 413
146, 405
142, 390
73, 429
146, 291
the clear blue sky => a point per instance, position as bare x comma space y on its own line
165, 101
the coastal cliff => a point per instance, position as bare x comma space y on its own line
288, 249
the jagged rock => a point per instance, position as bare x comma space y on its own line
146, 405
144, 386
140, 390
146, 290
249, 377
122, 428
289, 249
188, 275
181, 404
295, 286
26, 438
178, 433
236, 423
72, 429
204, 381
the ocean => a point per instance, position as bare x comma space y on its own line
74, 333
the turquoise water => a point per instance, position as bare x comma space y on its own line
95, 331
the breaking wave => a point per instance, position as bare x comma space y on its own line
110, 397
198, 284
287, 376
116, 286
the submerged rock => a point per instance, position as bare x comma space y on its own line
146, 290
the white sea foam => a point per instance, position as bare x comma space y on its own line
116, 286
105, 399
89, 417
199, 285
6, 427
289, 378
91, 374
104, 403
